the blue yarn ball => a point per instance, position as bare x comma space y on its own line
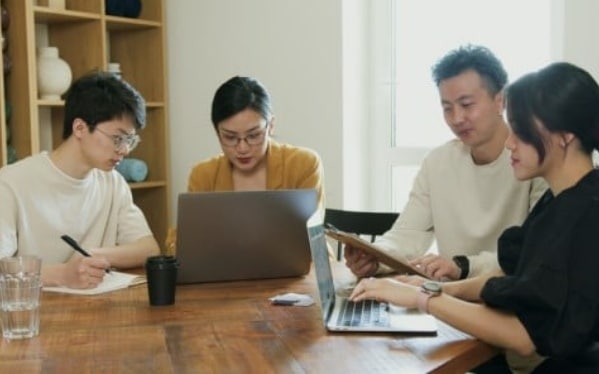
133, 169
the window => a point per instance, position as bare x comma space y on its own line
523, 35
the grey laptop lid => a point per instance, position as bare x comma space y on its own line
224, 236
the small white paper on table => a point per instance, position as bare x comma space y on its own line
293, 299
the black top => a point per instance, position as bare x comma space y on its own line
551, 266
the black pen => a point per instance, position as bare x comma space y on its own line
70, 241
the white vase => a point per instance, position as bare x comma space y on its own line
114, 68
53, 74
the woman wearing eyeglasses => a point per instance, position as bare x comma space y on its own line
251, 160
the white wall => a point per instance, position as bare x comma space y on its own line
296, 49
580, 34
356, 89
292, 47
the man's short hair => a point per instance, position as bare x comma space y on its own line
99, 97
472, 57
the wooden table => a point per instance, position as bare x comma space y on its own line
221, 327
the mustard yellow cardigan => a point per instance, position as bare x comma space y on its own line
287, 167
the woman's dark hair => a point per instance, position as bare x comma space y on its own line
472, 57
238, 94
564, 97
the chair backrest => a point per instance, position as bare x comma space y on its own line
361, 223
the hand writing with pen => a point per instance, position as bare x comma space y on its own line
83, 270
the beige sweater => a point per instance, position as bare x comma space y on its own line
39, 203
461, 205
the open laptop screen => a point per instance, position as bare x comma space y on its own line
322, 267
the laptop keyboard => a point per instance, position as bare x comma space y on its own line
363, 313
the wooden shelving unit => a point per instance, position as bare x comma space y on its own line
87, 40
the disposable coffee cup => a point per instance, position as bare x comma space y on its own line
161, 272
20, 285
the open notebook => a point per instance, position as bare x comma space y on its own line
113, 281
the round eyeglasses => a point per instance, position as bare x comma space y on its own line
254, 138
123, 140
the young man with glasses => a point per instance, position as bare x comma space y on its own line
75, 190
243, 120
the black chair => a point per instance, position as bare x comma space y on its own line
361, 223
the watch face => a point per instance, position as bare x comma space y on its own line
432, 287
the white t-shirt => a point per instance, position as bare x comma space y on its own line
464, 206
39, 203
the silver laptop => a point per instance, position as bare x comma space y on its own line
339, 314
226, 236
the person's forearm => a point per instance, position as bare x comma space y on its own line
469, 289
130, 255
492, 326
483, 262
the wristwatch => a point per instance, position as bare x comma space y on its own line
428, 290
464, 264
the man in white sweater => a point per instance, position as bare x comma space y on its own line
75, 190
465, 194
